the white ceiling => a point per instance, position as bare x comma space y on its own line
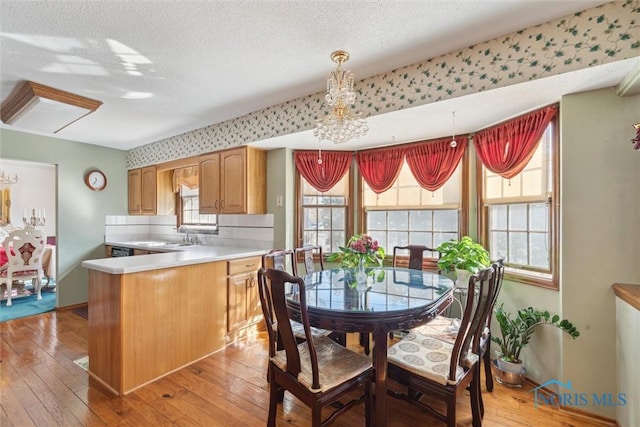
162, 68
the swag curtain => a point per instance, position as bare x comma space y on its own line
322, 176
380, 168
432, 163
507, 148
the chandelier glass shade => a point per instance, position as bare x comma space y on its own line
341, 124
6, 180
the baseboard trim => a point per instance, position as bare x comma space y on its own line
575, 411
71, 307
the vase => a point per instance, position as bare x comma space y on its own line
462, 277
361, 274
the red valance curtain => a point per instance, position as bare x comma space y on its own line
433, 162
380, 168
507, 148
327, 174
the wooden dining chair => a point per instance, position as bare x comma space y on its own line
312, 258
318, 371
277, 260
24, 248
416, 256
432, 367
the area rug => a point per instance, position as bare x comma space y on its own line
27, 306
83, 362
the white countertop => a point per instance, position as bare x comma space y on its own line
180, 256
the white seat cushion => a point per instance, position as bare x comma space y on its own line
336, 364
298, 331
427, 356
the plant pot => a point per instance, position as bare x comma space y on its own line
512, 367
510, 379
462, 277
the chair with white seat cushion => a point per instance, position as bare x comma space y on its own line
427, 365
24, 249
317, 371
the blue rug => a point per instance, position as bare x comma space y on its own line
28, 306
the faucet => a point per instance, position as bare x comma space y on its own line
183, 229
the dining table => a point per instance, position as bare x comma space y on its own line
393, 299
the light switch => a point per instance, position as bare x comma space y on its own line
279, 201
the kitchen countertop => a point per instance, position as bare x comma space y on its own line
179, 256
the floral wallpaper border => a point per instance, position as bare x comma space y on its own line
596, 36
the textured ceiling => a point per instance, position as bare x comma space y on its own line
164, 68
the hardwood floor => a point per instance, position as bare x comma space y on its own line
40, 385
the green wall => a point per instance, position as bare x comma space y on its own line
80, 211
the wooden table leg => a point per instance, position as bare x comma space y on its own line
380, 367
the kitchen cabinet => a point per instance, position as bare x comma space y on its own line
233, 181
142, 191
243, 300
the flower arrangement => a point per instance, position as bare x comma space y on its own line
362, 250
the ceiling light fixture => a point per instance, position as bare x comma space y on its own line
7, 180
340, 125
39, 107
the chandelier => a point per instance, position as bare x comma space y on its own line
340, 125
6, 180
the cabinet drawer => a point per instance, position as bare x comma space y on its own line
243, 265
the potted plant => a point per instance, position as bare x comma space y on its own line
465, 257
517, 331
360, 252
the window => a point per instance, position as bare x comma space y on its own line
520, 216
190, 215
324, 218
408, 214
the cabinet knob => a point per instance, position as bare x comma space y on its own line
222, 204
216, 205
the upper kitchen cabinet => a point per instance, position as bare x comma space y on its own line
142, 191
233, 181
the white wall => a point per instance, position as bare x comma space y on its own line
600, 237
36, 188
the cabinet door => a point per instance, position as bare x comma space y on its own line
135, 191
233, 198
254, 308
209, 183
237, 301
148, 193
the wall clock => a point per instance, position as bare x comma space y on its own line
95, 180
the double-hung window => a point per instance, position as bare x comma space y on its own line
324, 217
408, 214
518, 216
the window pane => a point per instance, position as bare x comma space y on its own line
498, 217
324, 240
398, 220
518, 248
498, 245
377, 220
538, 217
539, 250
421, 238
337, 240
420, 220
324, 218
397, 239
445, 220
518, 217
338, 219
443, 237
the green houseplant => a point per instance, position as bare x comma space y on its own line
464, 254
516, 332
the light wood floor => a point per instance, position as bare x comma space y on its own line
40, 385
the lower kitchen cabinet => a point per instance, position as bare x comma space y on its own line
243, 300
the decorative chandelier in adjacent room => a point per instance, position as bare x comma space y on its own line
340, 125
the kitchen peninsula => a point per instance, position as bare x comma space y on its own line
150, 315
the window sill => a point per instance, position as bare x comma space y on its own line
529, 279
